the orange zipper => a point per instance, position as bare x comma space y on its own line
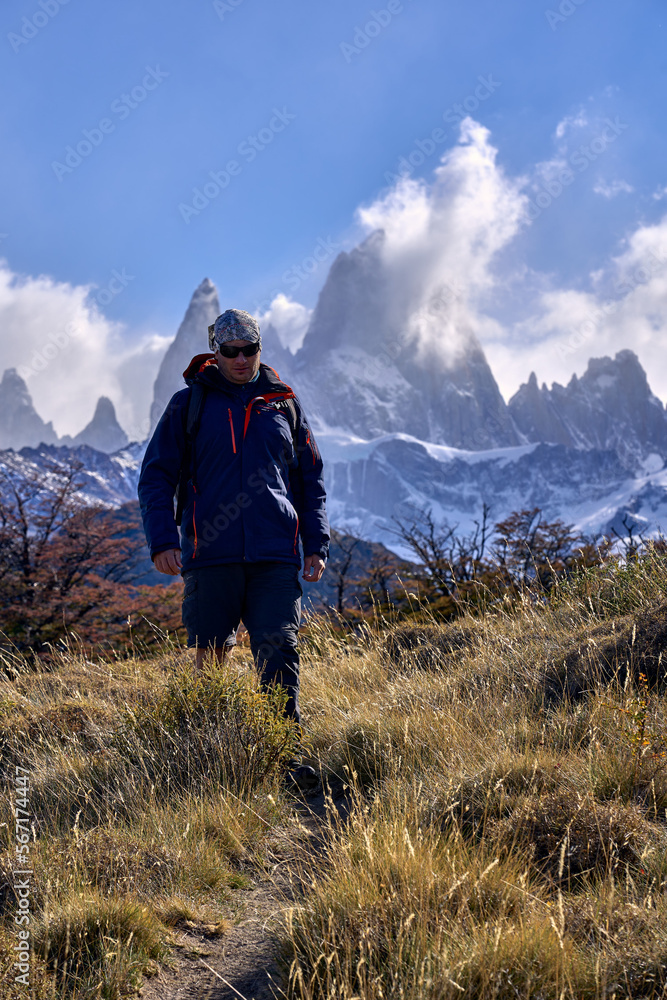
312, 446
231, 427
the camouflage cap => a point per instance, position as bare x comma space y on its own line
234, 324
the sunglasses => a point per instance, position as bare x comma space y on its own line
233, 352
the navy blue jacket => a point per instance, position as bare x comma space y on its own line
251, 495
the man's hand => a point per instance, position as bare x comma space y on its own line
313, 567
168, 562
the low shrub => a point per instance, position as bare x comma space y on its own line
216, 726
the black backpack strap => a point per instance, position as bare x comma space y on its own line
192, 421
288, 407
293, 418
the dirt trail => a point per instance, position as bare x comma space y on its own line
242, 962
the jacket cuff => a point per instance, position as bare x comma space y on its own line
162, 548
316, 550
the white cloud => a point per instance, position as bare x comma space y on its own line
69, 353
567, 327
136, 368
549, 170
612, 189
445, 245
441, 240
289, 319
660, 193
570, 123
454, 233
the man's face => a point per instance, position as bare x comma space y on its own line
239, 369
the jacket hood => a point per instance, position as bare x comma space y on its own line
204, 369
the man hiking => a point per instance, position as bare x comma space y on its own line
237, 446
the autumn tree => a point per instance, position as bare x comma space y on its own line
380, 586
529, 549
448, 559
65, 565
632, 541
524, 549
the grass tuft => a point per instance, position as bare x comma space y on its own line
99, 947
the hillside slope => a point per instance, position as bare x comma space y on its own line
507, 797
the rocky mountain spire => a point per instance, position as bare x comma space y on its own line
191, 339
610, 407
274, 354
377, 360
103, 433
20, 424
536, 415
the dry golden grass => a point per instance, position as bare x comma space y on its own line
508, 830
153, 796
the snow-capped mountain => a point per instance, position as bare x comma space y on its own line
610, 406
370, 483
21, 426
109, 480
367, 365
400, 425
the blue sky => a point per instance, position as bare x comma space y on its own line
335, 123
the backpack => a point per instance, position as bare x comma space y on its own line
192, 422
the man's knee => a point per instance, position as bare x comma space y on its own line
278, 663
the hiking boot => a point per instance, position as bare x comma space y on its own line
301, 778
